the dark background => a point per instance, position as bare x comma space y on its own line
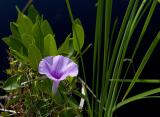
56, 13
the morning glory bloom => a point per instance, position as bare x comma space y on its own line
57, 68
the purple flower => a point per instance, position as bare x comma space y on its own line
57, 68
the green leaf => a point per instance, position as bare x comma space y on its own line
14, 30
27, 40
66, 48
34, 56
137, 97
15, 45
78, 35
143, 63
46, 28
24, 23
33, 13
50, 47
38, 35
18, 56
12, 83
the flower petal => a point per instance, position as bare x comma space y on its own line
58, 68
45, 67
70, 70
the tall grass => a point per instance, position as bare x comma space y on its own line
107, 78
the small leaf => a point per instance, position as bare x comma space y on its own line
33, 13
12, 83
50, 47
34, 56
78, 35
37, 33
14, 30
24, 23
18, 56
46, 28
66, 48
15, 45
27, 40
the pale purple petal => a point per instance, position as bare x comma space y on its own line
58, 68
70, 70
55, 86
45, 68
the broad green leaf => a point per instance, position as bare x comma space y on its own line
12, 83
66, 48
46, 28
37, 33
34, 56
24, 23
78, 35
50, 47
14, 30
33, 13
27, 40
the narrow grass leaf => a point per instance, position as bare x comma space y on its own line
137, 97
143, 63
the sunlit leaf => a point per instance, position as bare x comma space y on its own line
33, 13
78, 35
50, 47
24, 23
14, 30
38, 35
67, 47
15, 44
34, 56
46, 28
27, 40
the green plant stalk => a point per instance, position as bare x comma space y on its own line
99, 56
83, 69
120, 58
140, 38
97, 43
27, 5
108, 75
156, 81
107, 18
122, 52
111, 40
143, 63
108, 11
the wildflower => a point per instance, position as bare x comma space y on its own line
57, 68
